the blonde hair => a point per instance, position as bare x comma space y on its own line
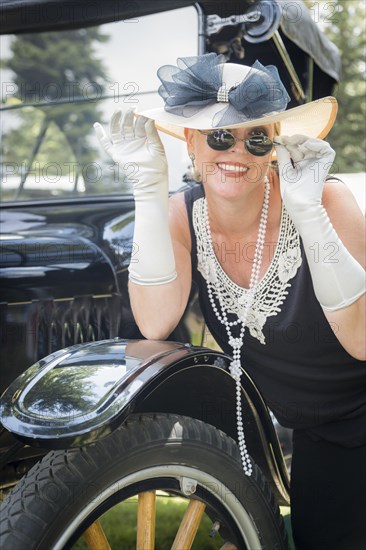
277, 131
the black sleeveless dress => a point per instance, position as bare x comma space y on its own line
290, 351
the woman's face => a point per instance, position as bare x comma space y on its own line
235, 171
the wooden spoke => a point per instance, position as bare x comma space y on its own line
189, 525
146, 521
95, 538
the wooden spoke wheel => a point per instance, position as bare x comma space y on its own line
69, 499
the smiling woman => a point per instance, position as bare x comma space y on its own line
227, 115
273, 255
257, 143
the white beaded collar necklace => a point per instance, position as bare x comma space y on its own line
237, 343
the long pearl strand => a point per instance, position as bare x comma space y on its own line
237, 343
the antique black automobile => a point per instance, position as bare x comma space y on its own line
121, 415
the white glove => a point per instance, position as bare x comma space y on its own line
304, 163
138, 144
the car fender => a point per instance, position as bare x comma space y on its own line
80, 394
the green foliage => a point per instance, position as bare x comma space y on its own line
347, 31
18, 143
55, 65
119, 525
48, 67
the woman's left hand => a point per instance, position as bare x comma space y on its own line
304, 163
338, 278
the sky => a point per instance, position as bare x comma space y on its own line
136, 49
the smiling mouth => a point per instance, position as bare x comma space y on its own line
232, 167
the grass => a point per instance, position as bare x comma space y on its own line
119, 525
285, 512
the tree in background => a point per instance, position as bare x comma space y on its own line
346, 29
48, 67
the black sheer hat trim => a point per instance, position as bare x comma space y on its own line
194, 84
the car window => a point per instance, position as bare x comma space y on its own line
55, 85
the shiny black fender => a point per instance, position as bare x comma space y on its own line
82, 393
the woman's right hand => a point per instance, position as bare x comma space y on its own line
137, 143
136, 147
158, 297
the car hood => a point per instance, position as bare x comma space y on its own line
40, 261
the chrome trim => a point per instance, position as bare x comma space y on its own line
288, 64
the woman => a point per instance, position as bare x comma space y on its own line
277, 256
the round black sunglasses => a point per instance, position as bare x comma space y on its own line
222, 140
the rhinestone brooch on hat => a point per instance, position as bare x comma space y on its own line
223, 94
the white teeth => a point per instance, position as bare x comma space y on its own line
232, 167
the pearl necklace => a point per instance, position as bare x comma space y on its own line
237, 343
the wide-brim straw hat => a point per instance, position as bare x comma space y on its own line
205, 93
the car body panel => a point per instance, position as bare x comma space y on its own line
83, 393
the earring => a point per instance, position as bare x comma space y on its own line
194, 172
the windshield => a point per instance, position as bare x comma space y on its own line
55, 85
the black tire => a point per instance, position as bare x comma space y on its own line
68, 490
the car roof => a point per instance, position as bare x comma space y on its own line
27, 16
